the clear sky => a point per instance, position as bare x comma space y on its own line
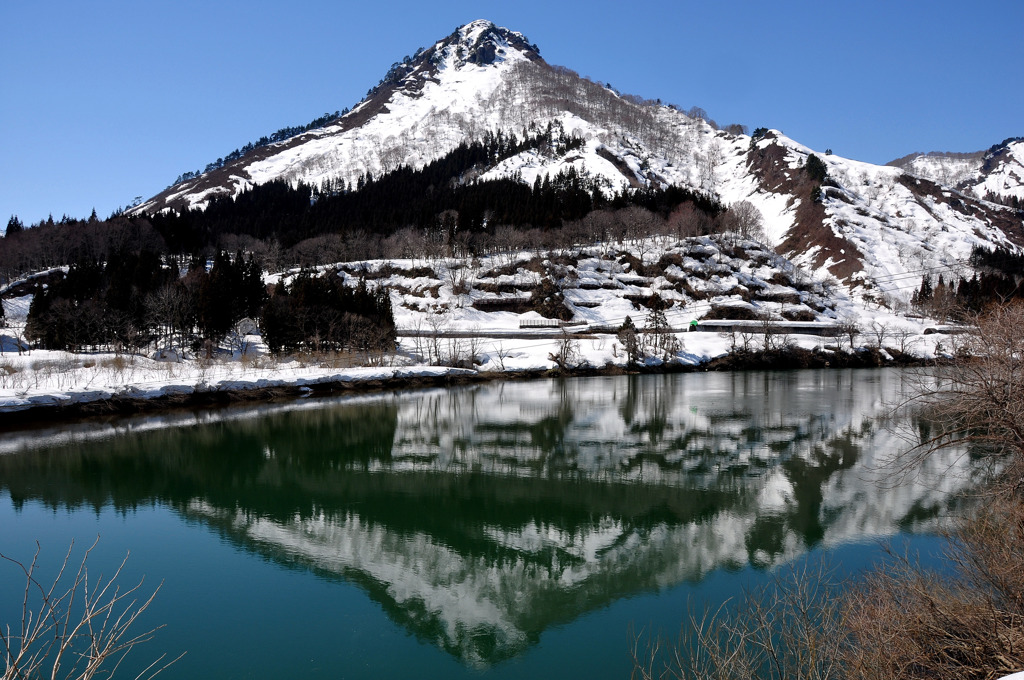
106, 100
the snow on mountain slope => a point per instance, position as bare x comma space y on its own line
419, 112
998, 172
1002, 172
872, 227
945, 168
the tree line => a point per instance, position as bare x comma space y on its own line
135, 301
444, 202
323, 314
443, 195
998, 281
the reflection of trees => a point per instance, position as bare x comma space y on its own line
534, 502
645, 407
225, 462
803, 517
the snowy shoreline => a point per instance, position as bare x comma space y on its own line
145, 397
749, 308
208, 392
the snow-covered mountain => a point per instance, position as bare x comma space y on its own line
997, 172
871, 226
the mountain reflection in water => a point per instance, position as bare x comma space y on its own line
479, 517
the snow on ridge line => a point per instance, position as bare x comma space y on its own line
999, 171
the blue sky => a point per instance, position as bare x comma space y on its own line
107, 100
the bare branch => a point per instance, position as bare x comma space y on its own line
77, 629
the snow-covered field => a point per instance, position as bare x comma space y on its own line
442, 311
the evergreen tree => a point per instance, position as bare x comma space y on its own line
628, 338
816, 168
321, 313
221, 298
658, 336
14, 226
924, 294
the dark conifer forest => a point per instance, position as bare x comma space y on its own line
133, 280
440, 196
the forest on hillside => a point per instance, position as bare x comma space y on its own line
187, 279
442, 207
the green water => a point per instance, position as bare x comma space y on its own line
504, 530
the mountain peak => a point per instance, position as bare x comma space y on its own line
481, 42
478, 43
474, 29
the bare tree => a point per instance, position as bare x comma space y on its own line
474, 343
881, 331
849, 329
637, 224
438, 324
747, 220
793, 628
772, 338
964, 621
686, 220
567, 354
74, 626
905, 338
459, 277
508, 241
501, 353
980, 398
740, 338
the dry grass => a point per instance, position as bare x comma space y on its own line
907, 622
790, 629
964, 621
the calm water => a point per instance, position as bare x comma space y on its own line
504, 530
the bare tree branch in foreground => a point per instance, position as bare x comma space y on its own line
793, 628
979, 399
74, 627
964, 622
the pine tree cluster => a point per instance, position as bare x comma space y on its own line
322, 313
134, 300
998, 282
414, 198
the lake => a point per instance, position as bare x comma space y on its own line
503, 530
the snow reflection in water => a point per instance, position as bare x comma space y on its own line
479, 517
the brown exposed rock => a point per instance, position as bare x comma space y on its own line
810, 227
621, 166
